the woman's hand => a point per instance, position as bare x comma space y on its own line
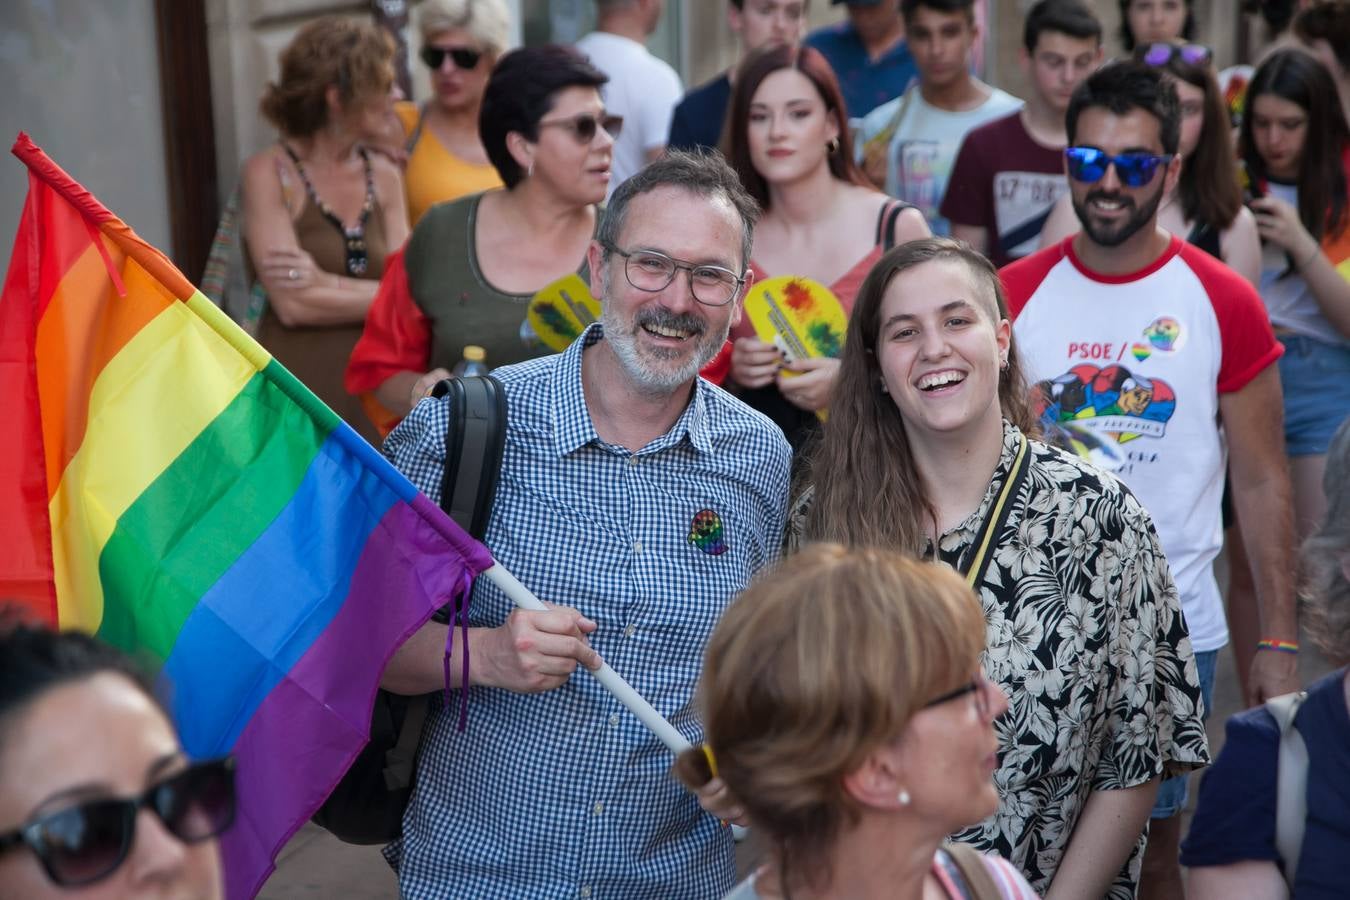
716, 798
422, 387
754, 363
811, 388
289, 269
1278, 222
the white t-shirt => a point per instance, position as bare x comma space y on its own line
923, 147
1288, 298
642, 88
1134, 364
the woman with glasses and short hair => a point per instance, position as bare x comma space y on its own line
927, 451
472, 266
788, 138
461, 40
320, 210
97, 798
844, 706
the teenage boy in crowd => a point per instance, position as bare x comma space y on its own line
868, 53
698, 119
1010, 171
642, 88
1151, 344
909, 144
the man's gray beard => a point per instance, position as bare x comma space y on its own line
648, 380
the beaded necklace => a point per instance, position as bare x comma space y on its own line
358, 259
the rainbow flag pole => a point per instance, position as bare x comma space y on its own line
169, 487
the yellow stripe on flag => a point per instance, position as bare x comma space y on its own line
149, 403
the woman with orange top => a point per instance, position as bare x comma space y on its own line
461, 40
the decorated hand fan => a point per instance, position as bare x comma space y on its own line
561, 311
798, 315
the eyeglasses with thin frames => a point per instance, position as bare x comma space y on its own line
652, 271
585, 126
87, 842
465, 58
976, 686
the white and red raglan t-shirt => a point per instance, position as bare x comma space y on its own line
1128, 370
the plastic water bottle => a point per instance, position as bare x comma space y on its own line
473, 363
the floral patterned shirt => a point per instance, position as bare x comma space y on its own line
1086, 637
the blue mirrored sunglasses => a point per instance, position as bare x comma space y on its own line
1088, 165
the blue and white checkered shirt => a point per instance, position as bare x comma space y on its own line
565, 793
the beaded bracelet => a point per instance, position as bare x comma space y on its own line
1280, 646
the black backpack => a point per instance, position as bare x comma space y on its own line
367, 805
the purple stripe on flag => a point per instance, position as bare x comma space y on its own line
307, 731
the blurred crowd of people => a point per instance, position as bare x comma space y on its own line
1094, 337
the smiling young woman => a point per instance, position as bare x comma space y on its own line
928, 448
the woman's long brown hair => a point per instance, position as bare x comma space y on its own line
867, 489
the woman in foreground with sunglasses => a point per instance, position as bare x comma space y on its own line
789, 140
461, 40
319, 209
845, 708
927, 451
471, 267
96, 796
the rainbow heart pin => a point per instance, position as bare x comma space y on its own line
706, 532
1141, 351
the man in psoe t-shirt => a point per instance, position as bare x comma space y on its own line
1142, 347
1010, 171
908, 145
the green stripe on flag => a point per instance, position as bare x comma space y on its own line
190, 525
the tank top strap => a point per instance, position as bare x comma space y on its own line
354, 236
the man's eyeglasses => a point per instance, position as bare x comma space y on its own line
464, 57
85, 843
1088, 165
650, 271
1160, 54
975, 686
584, 126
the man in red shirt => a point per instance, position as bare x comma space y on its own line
1009, 172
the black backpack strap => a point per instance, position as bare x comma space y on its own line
475, 439
400, 760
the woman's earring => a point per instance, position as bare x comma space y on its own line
903, 797
1004, 364
529, 172
832, 146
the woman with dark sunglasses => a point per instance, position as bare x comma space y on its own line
846, 712
472, 266
319, 209
97, 799
788, 138
461, 40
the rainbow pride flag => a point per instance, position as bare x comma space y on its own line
169, 487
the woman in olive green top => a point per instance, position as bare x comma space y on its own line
471, 266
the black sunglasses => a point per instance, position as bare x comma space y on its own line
85, 843
464, 57
584, 126
1089, 165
